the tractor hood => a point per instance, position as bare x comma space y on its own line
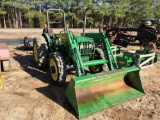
83, 39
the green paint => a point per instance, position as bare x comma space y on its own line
107, 101
102, 39
89, 80
118, 50
123, 61
80, 51
155, 58
127, 60
95, 62
103, 101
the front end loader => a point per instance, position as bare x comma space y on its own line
103, 87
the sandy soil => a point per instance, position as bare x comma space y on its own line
29, 94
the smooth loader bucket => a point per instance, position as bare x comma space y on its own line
95, 92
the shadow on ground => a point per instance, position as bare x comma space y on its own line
54, 92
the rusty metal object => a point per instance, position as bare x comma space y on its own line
120, 35
152, 47
96, 92
93, 92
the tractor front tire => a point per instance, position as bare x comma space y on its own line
99, 54
57, 68
40, 52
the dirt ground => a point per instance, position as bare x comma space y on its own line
29, 94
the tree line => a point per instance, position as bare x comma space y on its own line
32, 13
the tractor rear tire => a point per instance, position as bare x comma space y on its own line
6, 66
40, 52
99, 54
57, 68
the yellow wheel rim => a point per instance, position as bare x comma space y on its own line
54, 69
35, 52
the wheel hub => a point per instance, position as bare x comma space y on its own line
53, 70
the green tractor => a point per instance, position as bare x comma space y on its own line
104, 86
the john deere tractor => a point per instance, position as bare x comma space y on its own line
104, 86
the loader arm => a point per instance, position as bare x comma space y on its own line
104, 42
75, 53
109, 52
